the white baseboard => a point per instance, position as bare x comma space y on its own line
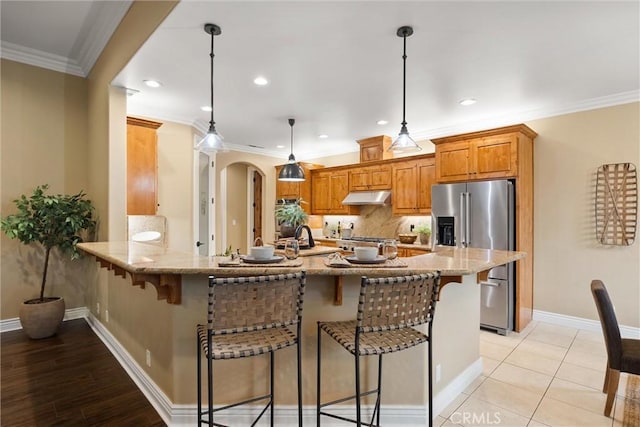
70, 314
581, 323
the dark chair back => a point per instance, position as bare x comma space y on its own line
609, 323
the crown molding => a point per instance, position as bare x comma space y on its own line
524, 116
41, 59
105, 18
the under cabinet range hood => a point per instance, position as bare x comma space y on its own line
378, 198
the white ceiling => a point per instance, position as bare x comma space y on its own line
337, 66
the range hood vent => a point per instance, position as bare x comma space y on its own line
378, 198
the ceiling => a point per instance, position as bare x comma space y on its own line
336, 67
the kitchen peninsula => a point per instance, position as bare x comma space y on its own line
456, 332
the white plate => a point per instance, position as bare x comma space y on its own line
353, 260
251, 260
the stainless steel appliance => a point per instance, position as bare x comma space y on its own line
481, 215
350, 243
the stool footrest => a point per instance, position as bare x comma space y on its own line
338, 417
344, 399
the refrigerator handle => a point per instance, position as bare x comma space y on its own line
467, 220
463, 242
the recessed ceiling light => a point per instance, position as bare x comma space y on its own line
323, 136
279, 146
261, 81
382, 122
152, 83
468, 101
206, 108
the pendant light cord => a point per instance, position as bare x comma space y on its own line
211, 55
404, 80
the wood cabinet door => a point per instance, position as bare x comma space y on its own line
339, 183
286, 189
142, 167
426, 178
453, 161
414, 252
371, 152
320, 193
495, 156
404, 197
359, 179
380, 178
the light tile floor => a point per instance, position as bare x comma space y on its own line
547, 375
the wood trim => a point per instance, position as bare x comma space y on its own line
168, 286
143, 123
337, 290
520, 128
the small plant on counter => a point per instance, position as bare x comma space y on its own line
424, 231
290, 216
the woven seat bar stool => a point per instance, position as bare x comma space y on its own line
388, 310
249, 316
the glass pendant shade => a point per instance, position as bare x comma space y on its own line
404, 143
212, 141
292, 171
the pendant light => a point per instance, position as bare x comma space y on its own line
292, 170
403, 142
212, 141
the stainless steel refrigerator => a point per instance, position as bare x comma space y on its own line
481, 215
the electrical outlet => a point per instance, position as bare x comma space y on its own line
148, 358
438, 373
106, 316
97, 308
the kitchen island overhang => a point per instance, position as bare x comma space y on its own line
167, 330
164, 267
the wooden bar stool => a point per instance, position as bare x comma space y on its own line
249, 316
388, 308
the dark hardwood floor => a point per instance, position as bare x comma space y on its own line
70, 379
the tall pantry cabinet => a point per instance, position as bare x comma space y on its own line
142, 166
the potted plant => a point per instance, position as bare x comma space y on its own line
54, 221
290, 216
424, 232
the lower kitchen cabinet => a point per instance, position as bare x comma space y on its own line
408, 252
411, 183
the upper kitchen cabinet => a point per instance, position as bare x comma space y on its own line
142, 166
297, 190
370, 178
490, 154
412, 180
329, 187
375, 148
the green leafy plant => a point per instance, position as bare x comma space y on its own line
51, 220
291, 213
423, 229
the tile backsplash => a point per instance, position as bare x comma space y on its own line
373, 221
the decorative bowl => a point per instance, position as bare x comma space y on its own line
262, 252
407, 238
366, 253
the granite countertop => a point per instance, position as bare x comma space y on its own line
151, 259
416, 245
316, 250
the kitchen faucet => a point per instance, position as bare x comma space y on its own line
299, 232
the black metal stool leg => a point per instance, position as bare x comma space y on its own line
199, 376
379, 389
318, 376
430, 384
210, 381
299, 349
357, 356
271, 385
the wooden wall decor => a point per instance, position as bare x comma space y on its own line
616, 204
